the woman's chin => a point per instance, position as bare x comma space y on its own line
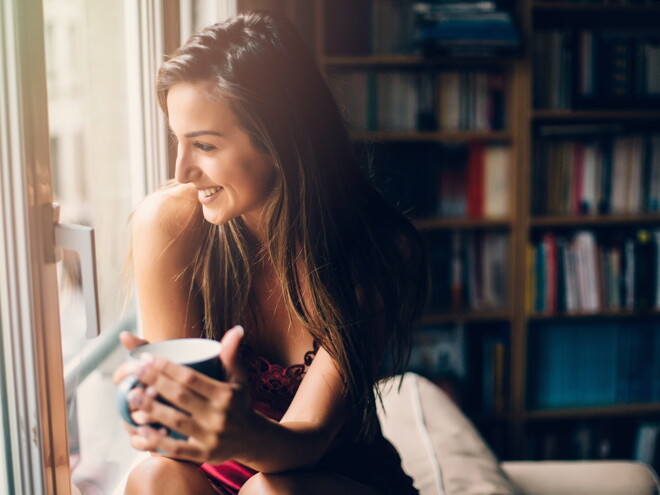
214, 217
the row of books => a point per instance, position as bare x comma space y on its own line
474, 181
452, 181
420, 100
469, 271
471, 100
443, 354
386, 27
594, 67
587, 273
597, 175
605, 2
465, 28
580, 364
629, 60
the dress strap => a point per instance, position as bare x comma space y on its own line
310, 355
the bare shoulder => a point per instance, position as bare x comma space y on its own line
168, 218
166, 234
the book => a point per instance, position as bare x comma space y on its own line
616, 73
475, 180
646, 443
645, 270
586, 365
494, 373
449, 90
497, 170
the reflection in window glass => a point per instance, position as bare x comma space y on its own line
92, 180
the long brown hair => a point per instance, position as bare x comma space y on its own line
327, 228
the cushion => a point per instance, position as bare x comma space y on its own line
583, 477
439, 447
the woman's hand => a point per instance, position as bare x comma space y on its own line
215, 415
130, 342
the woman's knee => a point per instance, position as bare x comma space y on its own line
160, 475
268, 484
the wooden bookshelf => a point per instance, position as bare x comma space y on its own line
595, 115
603, 314
521, 225
461, 223
595, 220
462, 317
612, 411
596, 8
635, 116
601, 9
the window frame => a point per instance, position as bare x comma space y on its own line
31, 357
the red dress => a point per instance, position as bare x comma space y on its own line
272, 387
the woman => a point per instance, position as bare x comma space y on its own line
272, 225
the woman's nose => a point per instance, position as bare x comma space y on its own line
185, 170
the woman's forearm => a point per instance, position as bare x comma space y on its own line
273, 447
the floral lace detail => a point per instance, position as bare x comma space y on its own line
275, 384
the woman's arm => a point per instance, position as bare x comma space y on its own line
166, 232
221, 424
309, 426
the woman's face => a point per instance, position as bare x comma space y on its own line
216, 156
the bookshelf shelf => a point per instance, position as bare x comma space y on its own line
569, 7
613, 411
602, 314
375, 61
440, 137
461, 317
595, 115
594, 220
462, 223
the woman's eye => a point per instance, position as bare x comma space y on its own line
204, 147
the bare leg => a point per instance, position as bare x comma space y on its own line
163, 476
303, 484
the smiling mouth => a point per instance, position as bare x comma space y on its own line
207, 193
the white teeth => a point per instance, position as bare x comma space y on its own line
210, 192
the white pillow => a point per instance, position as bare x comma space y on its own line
439, 447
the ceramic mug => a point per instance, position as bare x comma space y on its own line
202, 355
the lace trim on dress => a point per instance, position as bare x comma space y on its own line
272, 383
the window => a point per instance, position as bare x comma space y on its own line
96, 182
103, 146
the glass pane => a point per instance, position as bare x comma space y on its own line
87, 72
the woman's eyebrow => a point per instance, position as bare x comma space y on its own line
201, 133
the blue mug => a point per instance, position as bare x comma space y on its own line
202, 355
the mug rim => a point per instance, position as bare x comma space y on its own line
135, 353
